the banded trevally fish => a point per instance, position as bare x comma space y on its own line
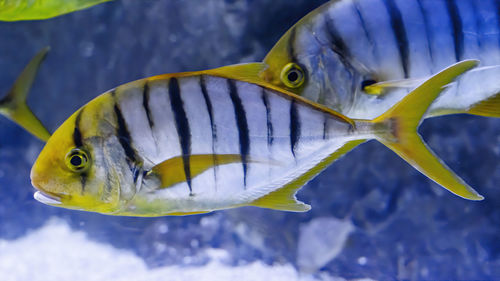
360, 57
189, 143
16, 10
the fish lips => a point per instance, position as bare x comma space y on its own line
45, 198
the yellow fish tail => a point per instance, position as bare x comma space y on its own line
14, 107
403, 120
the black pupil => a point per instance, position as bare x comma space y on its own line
76, 160
293, 75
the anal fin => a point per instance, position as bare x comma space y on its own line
380, 88
284, 198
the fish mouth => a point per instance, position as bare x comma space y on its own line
45, 198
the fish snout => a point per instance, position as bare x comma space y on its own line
39, 181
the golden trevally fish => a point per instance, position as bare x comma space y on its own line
187, 143
13, 105
360, 57
16, 10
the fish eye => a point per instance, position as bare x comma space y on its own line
77, 160
292, 75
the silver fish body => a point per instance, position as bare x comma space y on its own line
346, 44
277, 138
134, 127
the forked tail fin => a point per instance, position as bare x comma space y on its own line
403, 120
14, 106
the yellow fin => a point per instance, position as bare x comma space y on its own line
489, 107
404, 118
380, 87
284, 198
171, 171
14, 106
250, 72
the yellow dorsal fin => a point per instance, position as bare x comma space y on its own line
284, 198
489, 107
404, 118
171, 171
250, 73
14, 106
380, 87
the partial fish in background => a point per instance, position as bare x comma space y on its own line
14, 107
360, 57
17, 10
189, 143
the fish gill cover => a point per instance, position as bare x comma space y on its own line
377, 217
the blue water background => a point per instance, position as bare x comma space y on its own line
405, 226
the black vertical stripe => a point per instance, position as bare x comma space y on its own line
338, 44
456, 22
291, 46
210, 110
78, 140
241, 122
269, 123
145, 104
294, 127
428, 31
182, 125
208, 103
368, 36
124, 137
77, 134
135, 173
399, 34
478, 22
325, 127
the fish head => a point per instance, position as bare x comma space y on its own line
305, 63
75, 169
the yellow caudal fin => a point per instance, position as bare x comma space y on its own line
14, 106
403, 120
489, 107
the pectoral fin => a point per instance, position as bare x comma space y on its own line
14, 106
172, 171
381, 87
284, 198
